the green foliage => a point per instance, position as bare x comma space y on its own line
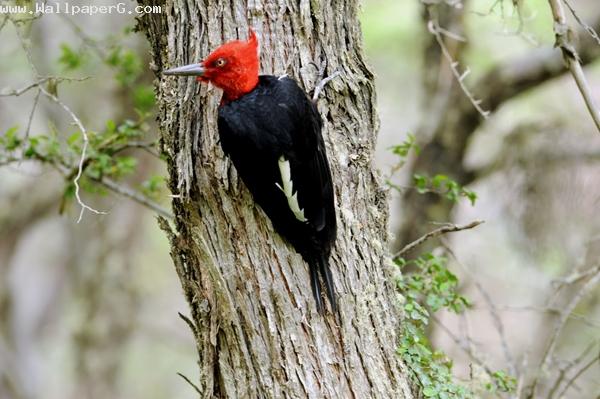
153, 186
104, 156
71, 59
127, 64
143, 98
403, 149
10, 140
443, 185
109, 151
439, 184
501, 382
429, 286
431, 283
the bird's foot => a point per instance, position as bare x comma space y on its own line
323, 80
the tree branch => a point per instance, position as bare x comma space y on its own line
448, 228
134, 195
578, 374
564, 316
571, 57
110, 184
72, 115
434, 28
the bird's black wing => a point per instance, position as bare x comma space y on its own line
278, 120
273, 136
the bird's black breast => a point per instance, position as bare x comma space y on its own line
277, 120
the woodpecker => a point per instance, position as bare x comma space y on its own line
271, 131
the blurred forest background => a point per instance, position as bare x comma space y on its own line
90, 309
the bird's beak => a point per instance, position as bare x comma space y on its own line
186, 70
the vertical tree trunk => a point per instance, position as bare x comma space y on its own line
253, 315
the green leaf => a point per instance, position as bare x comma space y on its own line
10, 140
69, 58
111, 127
143, 98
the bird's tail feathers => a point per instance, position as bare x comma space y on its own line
316, 286
321, 267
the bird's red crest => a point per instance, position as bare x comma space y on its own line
233, 67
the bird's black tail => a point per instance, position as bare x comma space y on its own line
321, 267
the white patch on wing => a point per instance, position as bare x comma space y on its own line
288, 189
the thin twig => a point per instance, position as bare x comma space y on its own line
191, 383
499, 327
435, 30
189, 322
4, 21
448, 228
547, 309
585, 26
40, 81
75, 119
32, 113
564, 316
522, 377
563, 372
148, 147
493, 310
463, 346
578, 374
571, 58
18, 92
82, 158
134, 195
66, 170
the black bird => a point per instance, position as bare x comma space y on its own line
272, 133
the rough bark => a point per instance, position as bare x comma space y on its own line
253, 315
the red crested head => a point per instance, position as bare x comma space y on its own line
232, 67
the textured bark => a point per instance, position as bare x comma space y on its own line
253, 315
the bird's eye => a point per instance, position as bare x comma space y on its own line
220, 62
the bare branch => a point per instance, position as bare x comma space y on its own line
32, 113
493, 310
66, 170
564, 370
134, 195
4, 21
464, 346
82, 158
578, 374
571, 58
191, 383
40, 81
75, 119
550, 310
149, 147
447, 228
564, 316
435, 30
585, 26
18, 92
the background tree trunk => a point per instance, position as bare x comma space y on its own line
445, 135
253, 315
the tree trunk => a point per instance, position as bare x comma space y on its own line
253, 315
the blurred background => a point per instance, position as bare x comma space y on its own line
90, 309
